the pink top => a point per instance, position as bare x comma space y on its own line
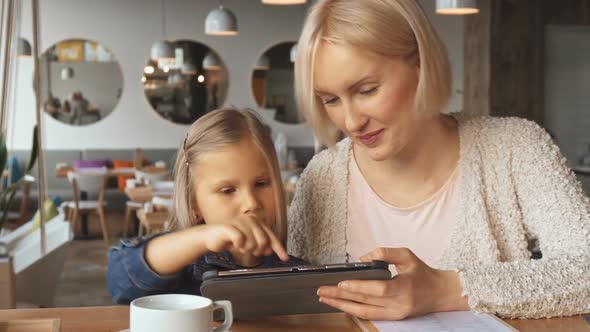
423, 228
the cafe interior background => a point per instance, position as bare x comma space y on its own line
115, 101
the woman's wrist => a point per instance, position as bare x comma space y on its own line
450, 292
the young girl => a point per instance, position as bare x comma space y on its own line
229, 212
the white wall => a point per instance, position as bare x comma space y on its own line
129, 27
450, 29
99, 83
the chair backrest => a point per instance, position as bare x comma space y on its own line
91, 181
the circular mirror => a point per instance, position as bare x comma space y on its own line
81, 81
273, 82
184, 87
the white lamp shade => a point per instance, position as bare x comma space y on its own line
162, 50
67, 73
188, 68
211, 61
24, 48
263, 63
293, 53
456, 7
221, 22
284, 2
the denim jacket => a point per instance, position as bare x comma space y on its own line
130, 277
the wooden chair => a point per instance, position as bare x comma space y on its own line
130, 207
152, 222
7, 284
90, 182
137, 197
140, 195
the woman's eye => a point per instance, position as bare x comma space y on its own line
330, 101
369, 91
227, 191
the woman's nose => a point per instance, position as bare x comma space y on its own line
354, 120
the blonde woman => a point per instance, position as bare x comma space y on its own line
451, 201
228, 212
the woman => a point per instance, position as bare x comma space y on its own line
451, 201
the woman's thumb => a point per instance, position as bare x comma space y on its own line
397, 256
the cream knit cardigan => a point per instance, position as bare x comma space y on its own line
514, 186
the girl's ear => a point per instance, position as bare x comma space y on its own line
413, 59
197, 216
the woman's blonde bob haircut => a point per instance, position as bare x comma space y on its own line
211, 132
385, 27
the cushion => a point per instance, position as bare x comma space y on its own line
12, 163
50, 212
95, 163
122, 178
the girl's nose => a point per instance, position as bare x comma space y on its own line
250, 202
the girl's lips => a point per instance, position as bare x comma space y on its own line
370, 138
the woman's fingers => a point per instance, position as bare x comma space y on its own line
371, 287
365, 311
401, 257
334, 292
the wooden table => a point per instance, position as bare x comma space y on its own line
62, 172
116, 318
152, 222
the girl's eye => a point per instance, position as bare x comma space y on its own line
263, 183
227, 191
368, 92
330, 101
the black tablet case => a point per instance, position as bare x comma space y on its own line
288, 293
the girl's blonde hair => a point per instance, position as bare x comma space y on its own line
209, 133
385, 27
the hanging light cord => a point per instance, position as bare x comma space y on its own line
163, 21
10, 119
40, 132
6, 63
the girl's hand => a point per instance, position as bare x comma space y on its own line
246, 234
417, 290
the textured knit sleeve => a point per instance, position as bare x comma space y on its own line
297, 215
555, 211
317, 213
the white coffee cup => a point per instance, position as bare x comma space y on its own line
177, 312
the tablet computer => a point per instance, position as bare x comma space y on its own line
284, 290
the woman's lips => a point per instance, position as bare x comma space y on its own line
371, 137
